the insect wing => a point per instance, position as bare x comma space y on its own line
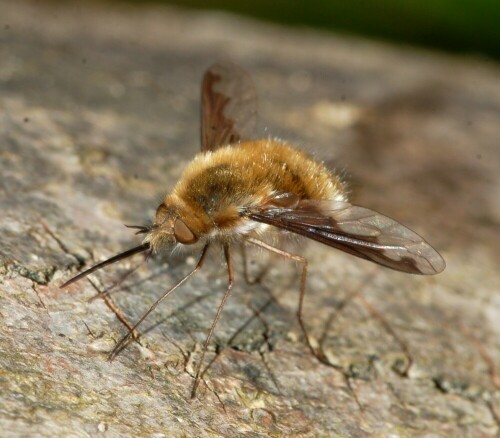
228, 106
358, 231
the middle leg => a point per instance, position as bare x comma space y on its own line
303, 278
216, 318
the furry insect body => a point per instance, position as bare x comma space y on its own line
217, 188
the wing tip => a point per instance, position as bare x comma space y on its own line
439, 265
435, 263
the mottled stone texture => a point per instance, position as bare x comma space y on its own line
98, 116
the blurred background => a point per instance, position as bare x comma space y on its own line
465, 26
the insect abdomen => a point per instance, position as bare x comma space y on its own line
220, 184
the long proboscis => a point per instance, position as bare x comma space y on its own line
116, 258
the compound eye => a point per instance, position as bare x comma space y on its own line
183, 234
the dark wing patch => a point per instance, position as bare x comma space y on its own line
358, 231
228, 106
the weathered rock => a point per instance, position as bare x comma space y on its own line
98, 116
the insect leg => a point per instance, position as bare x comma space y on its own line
217, 316
246, 273
124, 340
114, 308
106, 297
303, 278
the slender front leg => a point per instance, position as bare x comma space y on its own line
121, 344
303, 277
106, 297
217, 316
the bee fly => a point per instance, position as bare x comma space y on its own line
240, 190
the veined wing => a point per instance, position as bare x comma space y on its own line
356, 230
228, 106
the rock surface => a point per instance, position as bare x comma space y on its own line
98, 116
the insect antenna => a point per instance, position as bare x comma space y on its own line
123, 255
141, 229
